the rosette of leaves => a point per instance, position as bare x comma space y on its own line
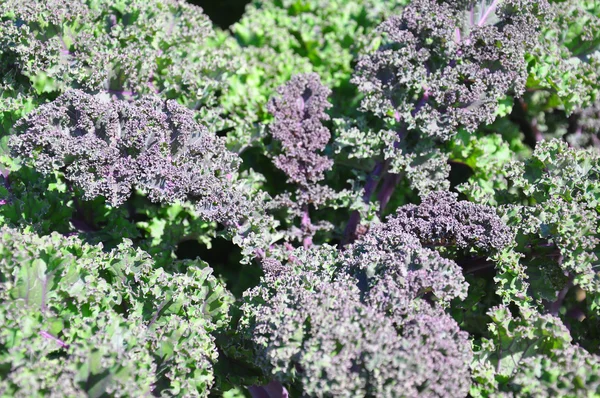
109, 147
443, 65
307, 326
127, 48
77, 320
562, 86
399, 276
442, 68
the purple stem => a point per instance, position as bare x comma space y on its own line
276, 390
260, 253
476, 264
373, 180
457, 35
391, 180
387, 189
272, 390
65, 50
47, 335
290, 248
485, 16
258, 392
306, 227
370, 187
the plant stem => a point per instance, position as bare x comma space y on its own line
532, 133
58, 341
370, 187
387, 189
306, 227
390, 182
476, 264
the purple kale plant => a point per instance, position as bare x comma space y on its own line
310, 326
443, 65
399, 276
441, 220
199, 232
299, 110
109, 148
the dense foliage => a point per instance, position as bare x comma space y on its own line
330, 198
